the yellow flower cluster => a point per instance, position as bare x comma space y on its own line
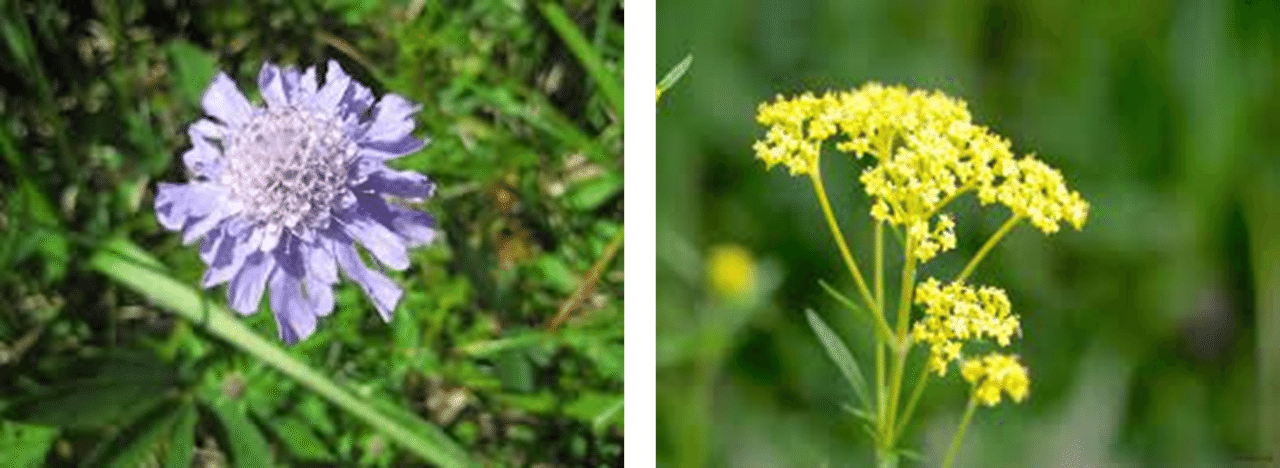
956, 313
928, 151
993, 373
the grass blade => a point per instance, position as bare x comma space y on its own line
841, 356
581, 48
128, 264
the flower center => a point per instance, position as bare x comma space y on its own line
288, 167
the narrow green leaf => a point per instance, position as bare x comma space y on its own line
609, 84
859, 413
590, 194
140, 441
110, 395
861, 311
126, 263
910, 454
841, 356
182, 446
675, 73
300, 439
244, 441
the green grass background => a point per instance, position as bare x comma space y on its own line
1152, 336
526, 146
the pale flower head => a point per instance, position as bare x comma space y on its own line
281, 194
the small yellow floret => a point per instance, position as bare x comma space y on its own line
927, 152
956, 313
994, 373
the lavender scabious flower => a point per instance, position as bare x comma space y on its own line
281, 193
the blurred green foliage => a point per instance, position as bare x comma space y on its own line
1152, 336
525, 147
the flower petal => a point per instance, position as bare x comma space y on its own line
225, 102
321, 294
385, 245
271, 83
321, 264
205, 129
381, 290
197, 228
389, 134
417, 228
335, 87
210, 245
294, 317
306, 92
404, 184
226, 259
177, 204
245, 290
203, 159
414, 227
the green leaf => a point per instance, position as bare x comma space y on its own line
140, 441
300, 438
244, 441
841, 356
515, 370
609, 84
193, 70
595, 408
123, 387
594, 192
25, 445
182, 447
126, 263
858, 310
675, 73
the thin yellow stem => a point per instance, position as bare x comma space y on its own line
902, 346
964, 424
922, 378
880, 346
982, 253
821, 190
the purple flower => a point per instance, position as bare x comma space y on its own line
280, 194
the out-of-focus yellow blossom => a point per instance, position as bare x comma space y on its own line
927, 150
994, 373
956, 313
731, 271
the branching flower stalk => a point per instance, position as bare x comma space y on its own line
925, 152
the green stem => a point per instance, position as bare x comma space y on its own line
821, 190
128, 264
922, 379
902, 345
995, 238
880, 346
964, 424
581, 48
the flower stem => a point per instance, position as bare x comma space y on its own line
921, 380
821, 190
964, 424
126, 263
995, 238
903, 345
880, 346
